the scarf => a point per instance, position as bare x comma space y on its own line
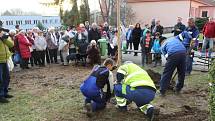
53, 39
147, 41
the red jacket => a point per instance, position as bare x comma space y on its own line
24, 45
209, 30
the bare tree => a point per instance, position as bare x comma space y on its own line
106, 7
130, 15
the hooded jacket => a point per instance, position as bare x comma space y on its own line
4, 50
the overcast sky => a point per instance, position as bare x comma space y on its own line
33, 5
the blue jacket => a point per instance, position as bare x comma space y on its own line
129, 35
172, 46
156, 46
194, 33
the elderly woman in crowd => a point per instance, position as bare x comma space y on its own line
24, 48
52, 44
40, 45
93, 56
31, 39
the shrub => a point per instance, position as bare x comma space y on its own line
200, 22
212, 91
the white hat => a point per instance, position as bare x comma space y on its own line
81, 25
51, 29
12, 32
35, 28
93, 42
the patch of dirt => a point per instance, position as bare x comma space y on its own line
191, 105
156, 78
187, 113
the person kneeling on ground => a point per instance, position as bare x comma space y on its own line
92, 87
134, 84
93, 56
175, 52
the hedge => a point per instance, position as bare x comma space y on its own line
212, 91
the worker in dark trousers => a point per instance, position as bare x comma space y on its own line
175, 52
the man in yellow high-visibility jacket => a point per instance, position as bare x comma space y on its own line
134, 84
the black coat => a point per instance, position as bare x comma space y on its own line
180, 26
159, 29
136, 34
94, 35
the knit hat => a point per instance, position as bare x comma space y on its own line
93, 42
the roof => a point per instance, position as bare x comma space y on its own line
206, 2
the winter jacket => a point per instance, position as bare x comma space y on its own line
172, 46
94, 34
193, 31
179, 26
129, 35
209, 30
156, 46
40, 43
93, 54
24, 45
4, 50
50, 43
31, 40
159, 29
136, 34
146, 45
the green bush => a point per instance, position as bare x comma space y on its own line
212, 91
200, 22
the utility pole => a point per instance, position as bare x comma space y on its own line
119, 59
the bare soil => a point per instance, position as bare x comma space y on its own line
191, 105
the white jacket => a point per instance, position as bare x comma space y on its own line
40, 43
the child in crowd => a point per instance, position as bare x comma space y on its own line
146, 45
156, 49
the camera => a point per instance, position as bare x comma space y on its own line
6, 35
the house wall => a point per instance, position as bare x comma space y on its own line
195, 9
166, 11
211, 11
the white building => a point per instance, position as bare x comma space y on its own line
28, 22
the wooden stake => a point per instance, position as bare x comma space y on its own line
119, 59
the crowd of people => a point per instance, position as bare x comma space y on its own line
39, 47
81, 44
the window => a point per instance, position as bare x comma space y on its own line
11, 22
7, 23
204, 13
56, 20
17, 22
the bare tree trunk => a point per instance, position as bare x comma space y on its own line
102, 12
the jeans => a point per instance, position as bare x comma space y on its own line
173, 61
4, 79
189, 61
211, 43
